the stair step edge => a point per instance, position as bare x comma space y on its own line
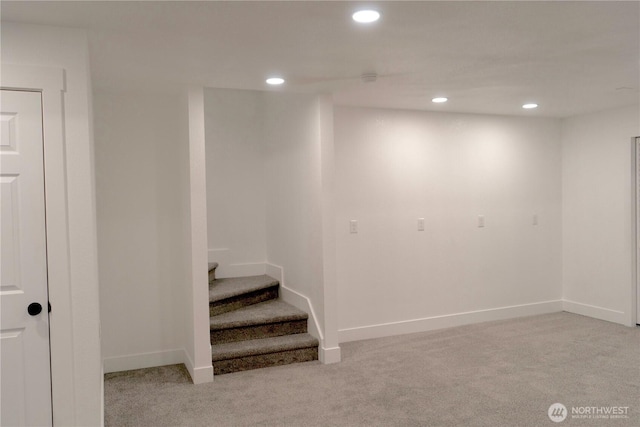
264, 313
262, 346
227, 288
252, 322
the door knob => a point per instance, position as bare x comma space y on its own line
34, 309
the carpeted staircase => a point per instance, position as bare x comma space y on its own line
251, 328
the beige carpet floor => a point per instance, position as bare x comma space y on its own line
504, 373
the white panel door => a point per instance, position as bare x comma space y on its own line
25, 373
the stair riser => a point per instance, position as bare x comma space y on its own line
265, 360
258, 331
245, 300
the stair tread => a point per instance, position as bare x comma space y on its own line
235, 286
213, 265
258, 314
262, 346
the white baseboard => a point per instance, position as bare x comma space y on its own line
221, 256
201, 375
296, 299
595, 312
144, 360
227, 268
329, 355
274, 271
240, 270
447, 321
301, 302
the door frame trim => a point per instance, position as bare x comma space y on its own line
51, 84
635, 232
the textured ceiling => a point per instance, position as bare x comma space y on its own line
487, 57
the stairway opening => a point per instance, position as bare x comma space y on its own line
252, 328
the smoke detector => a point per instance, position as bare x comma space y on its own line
369, 77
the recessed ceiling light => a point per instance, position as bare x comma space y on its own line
366, 16
530, 106
440, 100
275, 81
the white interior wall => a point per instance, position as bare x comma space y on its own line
79, 400
143, 262
380, 184
235, 141
597, 219
393, 167
293, 188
